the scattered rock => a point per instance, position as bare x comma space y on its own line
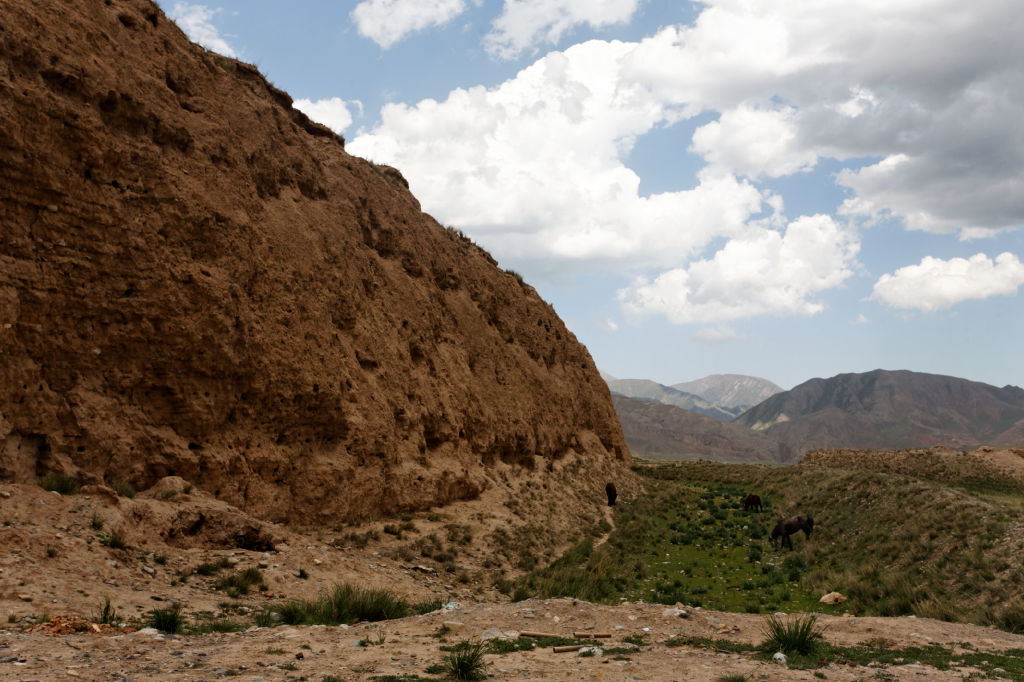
832, 598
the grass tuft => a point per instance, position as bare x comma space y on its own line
59, 483
798, 635
466, 661
170, 620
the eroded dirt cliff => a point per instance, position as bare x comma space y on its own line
197, 281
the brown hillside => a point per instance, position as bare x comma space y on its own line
658, 431
195, 280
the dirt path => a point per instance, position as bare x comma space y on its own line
609, 516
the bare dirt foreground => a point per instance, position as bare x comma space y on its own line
54, 565
409, 645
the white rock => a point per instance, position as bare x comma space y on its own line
779, 657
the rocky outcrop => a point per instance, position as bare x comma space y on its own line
197, 281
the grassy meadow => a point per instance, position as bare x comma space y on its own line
893, 544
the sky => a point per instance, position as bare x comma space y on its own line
781, 189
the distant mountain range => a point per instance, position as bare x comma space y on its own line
731, 391
651, 390
889, 409
877, 410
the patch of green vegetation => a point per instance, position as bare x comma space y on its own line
124, 489
239, 583
690, 543
106, 614
209, 568
798, 635
466, 661
170, 619
883, 559
708, 643
344, 604
115, 539
59, 483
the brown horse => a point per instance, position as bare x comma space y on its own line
786, 527
612, 494
752, 502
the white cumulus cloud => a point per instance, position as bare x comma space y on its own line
754, 142
386, 22
535, 166
765, 273
937, 284
524, 23
332, 112
922, 100
197, 23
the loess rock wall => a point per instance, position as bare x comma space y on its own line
197, 281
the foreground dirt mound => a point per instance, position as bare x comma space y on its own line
197, 281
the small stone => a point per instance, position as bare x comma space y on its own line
52, 208
779, 657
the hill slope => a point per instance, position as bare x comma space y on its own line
195, 280
887, 409
657, 431
646, 389
731, 390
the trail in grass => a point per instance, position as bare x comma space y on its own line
609, 516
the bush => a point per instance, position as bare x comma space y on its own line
59, 483
170, 620
107, 614
466, 661
124, 489
344, 604
239, 583
792, 636
114, 539
211, 567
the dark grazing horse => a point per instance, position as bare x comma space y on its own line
752, 502
786, 527
612, 494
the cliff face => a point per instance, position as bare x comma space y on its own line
195, 280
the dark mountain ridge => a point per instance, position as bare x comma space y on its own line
888, 409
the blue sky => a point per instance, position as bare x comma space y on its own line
786, 190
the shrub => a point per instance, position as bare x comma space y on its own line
239, 583
344, 604
427, 606
124, 489
97, 522
212, 567
59, 483
170, 619
114, 539
107, 614
792, 636
466, 661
